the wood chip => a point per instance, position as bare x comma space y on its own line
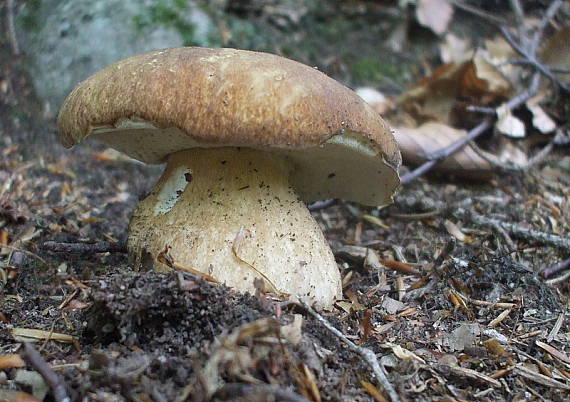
556, 328
499, 318
539, 378
553, 352
474, 375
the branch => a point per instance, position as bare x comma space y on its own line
52, 379
554, 269
366, 354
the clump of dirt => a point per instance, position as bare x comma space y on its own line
170, 313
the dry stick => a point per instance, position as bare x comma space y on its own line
409, 202
437, 156
365, 353
84, 248
554, 269
548, 15
532, 60
516, 230
511, 167
52, 379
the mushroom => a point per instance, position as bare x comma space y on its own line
247, 138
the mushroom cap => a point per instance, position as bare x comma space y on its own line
153, 104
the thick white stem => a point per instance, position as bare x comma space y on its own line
231, 213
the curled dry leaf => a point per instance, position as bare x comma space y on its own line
540, 120
416, 143
436, 97
509, 125
434, 14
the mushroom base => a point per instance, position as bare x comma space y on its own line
232, 214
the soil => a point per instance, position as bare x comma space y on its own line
462, 320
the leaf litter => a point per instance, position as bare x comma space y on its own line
477, 323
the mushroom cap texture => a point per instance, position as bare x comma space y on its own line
226, 97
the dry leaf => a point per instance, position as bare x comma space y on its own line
510, 152
405, 354
376, 99
540, 120
436, 97
16, 396
556, 52
454, 230
293, 332
508, 124
415, 143
455, 50
11, 361
434, 14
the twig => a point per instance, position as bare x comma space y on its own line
511, 167
52, 379
558, 70
365, 353
315, 206
235, 390
10, 29
479, 13
84, 248
515, 230
533, 60
441, 154
425, 203
520, 18
554, 269
561, 279
548, 15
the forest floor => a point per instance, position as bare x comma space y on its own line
452, 309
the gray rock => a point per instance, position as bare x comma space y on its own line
67, 40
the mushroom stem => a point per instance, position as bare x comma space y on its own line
232, 214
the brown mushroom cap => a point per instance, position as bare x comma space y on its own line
153, 104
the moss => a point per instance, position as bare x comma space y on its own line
30, 20
169, 14
368, 69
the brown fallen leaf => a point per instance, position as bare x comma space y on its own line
11, 361
438, 96
556, 52
416, 143
16, 396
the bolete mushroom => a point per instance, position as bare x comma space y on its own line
247, 137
